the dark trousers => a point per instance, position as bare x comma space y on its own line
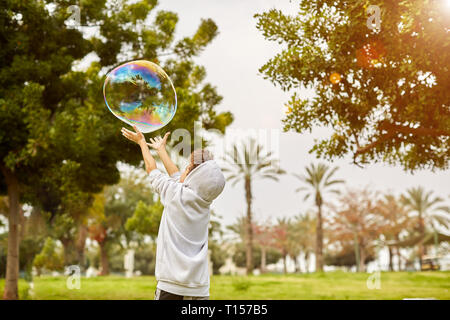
164, 295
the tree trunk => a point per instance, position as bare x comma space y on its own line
399, 261
67, 251
422, 233
249, 246
357, 255
397, 252
319, 239
362, 258
263, 259
296, 264
12, 260
307, 258
104, 261
284, 263
391, 266
80, 245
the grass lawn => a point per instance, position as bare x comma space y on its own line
334, 285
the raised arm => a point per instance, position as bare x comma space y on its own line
159, 144
138, 137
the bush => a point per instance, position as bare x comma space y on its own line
50, 258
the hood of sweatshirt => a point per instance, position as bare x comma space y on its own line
207, 180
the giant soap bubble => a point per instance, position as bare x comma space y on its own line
140, 93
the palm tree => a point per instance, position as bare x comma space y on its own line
319, 179
430, 212
246, 163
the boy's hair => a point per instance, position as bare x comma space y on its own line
198, 157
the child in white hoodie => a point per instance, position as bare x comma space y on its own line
182, 245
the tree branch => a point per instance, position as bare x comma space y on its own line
383, 138
393, 129
390, 127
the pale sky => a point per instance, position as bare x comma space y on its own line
232, 61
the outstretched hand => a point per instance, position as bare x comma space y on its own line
159, 143
136, 136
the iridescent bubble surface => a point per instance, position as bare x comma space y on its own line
140, 93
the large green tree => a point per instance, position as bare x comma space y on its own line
55, 130
382, 90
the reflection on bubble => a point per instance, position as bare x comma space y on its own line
140, 93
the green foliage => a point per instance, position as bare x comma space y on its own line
3, 252
116, 255
426, 206
57, 134
50, 257
145, 219
92, 257
319, 179
28, 249
145, 259
121, 201
248, 160
215, 243
392, 101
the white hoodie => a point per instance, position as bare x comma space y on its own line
182, 245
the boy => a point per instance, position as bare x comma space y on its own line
182, 245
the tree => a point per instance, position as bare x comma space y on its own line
145, 259
396, 222
215, 243
248, 162
430, 213
240, 255
55, 129
264, 251
344, 256
128, 207
280, 234
49, 258
97, 229
303, 228
145, 219
264, 239
64, 229
356, 220
384, 93
319, 180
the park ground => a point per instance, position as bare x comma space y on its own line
315, 286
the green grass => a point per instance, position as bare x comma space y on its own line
334, 285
